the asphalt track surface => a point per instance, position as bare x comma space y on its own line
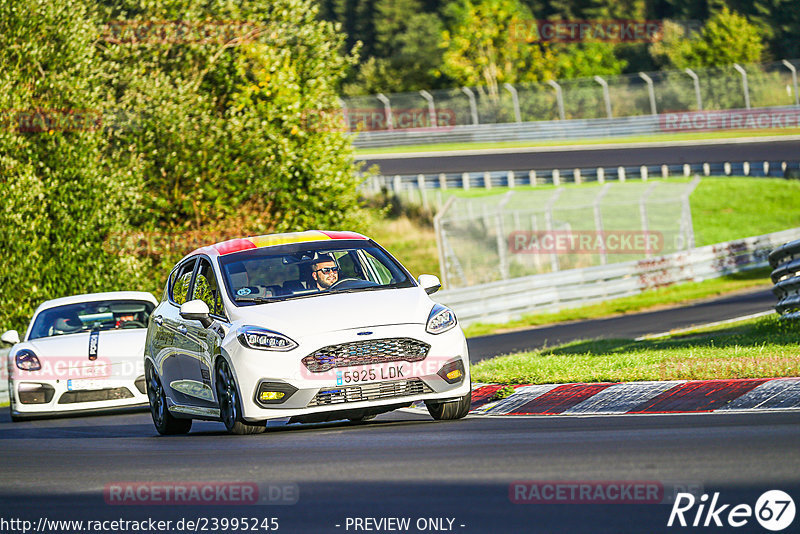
628, 326
587, 157
405, 465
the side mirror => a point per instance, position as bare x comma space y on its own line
11, 337
196, 310
429, 283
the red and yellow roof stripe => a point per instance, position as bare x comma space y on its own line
246, 243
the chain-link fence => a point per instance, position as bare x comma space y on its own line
630, 95
521, 233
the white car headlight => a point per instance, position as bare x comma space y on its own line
257, 338
441, 319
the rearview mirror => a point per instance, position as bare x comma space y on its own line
11, 337
429, 283
196, 310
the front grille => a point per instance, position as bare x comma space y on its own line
93, 395
367, 352
368, 392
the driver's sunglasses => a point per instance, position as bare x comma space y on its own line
327, 270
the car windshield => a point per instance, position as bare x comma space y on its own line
309, 269
86, 316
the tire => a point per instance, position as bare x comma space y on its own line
230, 406
165, 423
447, 411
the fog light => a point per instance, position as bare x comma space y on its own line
30, 393
452, 372
453, 375
265, 396
273, 393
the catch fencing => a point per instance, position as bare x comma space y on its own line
785, 260
507, 300
585, 107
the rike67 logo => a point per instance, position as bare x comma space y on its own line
774, 510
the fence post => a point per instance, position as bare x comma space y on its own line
515, 97
650, 91
442, 181
598, 220
511, 179
727, 168
387, 108
606, 95
744, 84
422, 192
487, 180
601, 175
576, 174
473, 106
696, 81
532, 176
431, 108
794, 81
664, 171
746, 168
643, 172
559, 99
556, 177
397, 185
465, 181
687, 170
621, 174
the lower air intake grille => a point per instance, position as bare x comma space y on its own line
368, 392
72, 397
368, 352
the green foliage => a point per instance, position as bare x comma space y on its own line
61, 197
727, 38
486, 45
228, 131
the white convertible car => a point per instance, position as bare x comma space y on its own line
306, 327
80, 354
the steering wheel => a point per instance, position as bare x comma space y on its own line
336, 283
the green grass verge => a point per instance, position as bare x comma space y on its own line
657, 138
761, 348
4, 404
648, 300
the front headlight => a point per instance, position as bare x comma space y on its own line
441, 319
257, 338
26, 360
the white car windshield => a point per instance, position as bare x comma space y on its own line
87, 316
309, 269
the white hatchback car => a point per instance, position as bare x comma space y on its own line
306, 327
80, 353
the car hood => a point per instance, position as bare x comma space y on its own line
113, 345
339, 311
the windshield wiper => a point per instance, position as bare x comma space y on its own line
257, 299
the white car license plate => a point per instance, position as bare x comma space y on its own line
360, 375
73, 384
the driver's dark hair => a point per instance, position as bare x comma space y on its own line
322, 258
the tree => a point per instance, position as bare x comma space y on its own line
727, 38
62, 199
487, 44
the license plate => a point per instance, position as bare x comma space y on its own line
371, 374
74, 385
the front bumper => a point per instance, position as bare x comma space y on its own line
41, 397
382, 384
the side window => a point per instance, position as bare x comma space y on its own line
384, 275
206, 288
180, 284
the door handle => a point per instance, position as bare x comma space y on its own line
182, 330
158, 320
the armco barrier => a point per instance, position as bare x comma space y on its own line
553, 130
507, 300
533, 177
785, 260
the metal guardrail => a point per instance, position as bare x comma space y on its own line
785, 260
532, 177
503, 301
549, 130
